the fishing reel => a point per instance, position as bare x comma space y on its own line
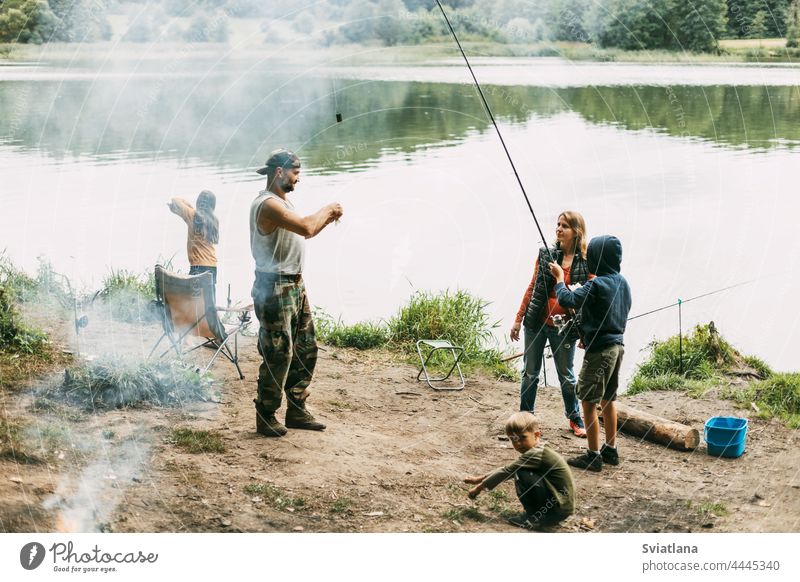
560, 322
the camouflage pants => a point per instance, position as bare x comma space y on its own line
286, 341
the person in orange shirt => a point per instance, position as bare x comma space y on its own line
537, 312
203, 231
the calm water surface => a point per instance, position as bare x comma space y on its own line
694, 168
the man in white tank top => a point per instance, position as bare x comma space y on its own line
286, 339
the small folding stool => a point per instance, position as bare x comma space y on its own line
434, 345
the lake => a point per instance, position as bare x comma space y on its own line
694, 168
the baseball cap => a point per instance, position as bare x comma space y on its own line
280, 158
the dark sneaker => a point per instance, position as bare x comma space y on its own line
301, 418
589, 461
610, 455
268, 425
577, 429
522, 520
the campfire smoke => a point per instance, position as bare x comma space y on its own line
85, 503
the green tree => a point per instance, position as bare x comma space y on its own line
390, 28
523, 30
758, 27
741, 15
793, 24
566, 20
699, 24
81, 20
359, 19
143, 28
205, 29
632, 24
27, 21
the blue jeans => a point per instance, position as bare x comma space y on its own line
563, 356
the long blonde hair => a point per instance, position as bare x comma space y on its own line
205, 222
578, 226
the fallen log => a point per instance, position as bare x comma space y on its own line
656, 429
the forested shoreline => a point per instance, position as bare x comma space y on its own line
631, 25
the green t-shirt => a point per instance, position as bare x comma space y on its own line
544, 461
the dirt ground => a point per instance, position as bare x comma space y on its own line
391, 460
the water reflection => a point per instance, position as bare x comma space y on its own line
231, 122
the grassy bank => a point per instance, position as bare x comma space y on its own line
129, 297
458, 317
733, 51
25, 351
708, 362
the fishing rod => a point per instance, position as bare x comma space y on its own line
497, 129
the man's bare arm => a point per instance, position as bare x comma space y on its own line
272, 215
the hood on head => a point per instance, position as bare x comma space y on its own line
604, 255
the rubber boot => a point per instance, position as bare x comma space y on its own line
267, 424
298, 416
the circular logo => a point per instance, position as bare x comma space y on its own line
31, 555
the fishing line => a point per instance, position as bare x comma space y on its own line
497, 129
681, 301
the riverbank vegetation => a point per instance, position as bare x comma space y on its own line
459, 317
129, 297
24, 349
602, 30
705, 361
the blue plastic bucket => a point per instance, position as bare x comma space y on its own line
725, 436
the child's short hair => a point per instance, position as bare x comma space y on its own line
522, 422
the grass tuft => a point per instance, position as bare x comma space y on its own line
196, 441
276, 497
361, 336
667, 383
460, 318
717, 509
759, 365
462, 513
457, 317
117, 383
776, 396
15, 336
341, 505
705, 353
128, 296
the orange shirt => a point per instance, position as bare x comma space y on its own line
201, 252
553, 308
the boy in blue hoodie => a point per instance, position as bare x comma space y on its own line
604, 303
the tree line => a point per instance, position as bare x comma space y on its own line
627, 24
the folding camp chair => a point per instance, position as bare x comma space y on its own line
187, 308
434, 345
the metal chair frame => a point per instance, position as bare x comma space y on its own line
455, 351
220, 336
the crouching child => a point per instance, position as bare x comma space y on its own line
543, 481
604, 303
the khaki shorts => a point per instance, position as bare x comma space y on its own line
599, 376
